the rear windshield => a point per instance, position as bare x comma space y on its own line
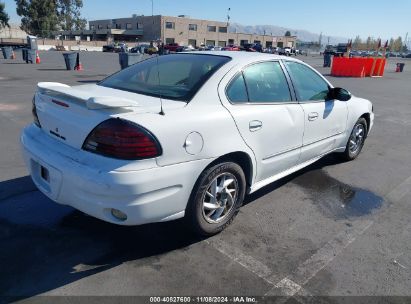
177, 76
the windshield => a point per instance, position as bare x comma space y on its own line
177, 76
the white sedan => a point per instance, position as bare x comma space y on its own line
187, 135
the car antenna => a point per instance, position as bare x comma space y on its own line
158, 67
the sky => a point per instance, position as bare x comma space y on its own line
349, 18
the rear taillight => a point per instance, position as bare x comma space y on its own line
122, 139
34, 112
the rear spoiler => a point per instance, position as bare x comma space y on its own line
92, 102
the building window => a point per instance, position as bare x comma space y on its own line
140, 26
192, 27
222, 29
222, 43
99, 26
243, 42
192, 42
212, 28
92, 27
170, 25
118, 26
210, 42
129, 26
169, 40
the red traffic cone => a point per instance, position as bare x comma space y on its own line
38, 61
79, 66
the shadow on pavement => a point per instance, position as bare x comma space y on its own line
50, 70
45, 246
329, 160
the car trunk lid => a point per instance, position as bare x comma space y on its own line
69, 114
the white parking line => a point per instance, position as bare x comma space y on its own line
248, 262
318, 261
293, 284
400, 191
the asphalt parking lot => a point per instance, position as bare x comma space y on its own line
333, 229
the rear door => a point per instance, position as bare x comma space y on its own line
267, 115
325, 120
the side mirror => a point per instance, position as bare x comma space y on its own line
339, 94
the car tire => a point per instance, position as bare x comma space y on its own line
216, 199
356, 141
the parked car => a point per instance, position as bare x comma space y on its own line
281, 51
253, 47
231, 47
152, 49
172, 47
115, 48
109, 48
187, 135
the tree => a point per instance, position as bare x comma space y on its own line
357, 42
43, 17
391, 44
4, 17
369, 43
39, 17
397, 46
70, 15
287, 34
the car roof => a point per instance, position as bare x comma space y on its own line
245, 57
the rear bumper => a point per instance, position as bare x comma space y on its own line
145, 196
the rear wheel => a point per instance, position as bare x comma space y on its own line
216, 199
356, 140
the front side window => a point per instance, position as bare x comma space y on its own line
176, 77
308, 84
266, 83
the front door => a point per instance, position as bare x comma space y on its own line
325, 120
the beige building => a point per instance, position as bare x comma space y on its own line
182, 30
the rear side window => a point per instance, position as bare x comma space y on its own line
308, 84
176, 77
260, 83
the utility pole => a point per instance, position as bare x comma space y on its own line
228, 24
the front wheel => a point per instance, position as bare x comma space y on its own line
356, 140
216, 199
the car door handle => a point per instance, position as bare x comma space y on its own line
312, 116
255, 125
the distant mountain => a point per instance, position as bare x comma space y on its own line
302, 35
